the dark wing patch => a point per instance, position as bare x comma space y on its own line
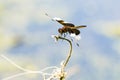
65, 23
77, 27
77, 32
68, 24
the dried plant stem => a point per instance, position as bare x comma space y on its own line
70, 51
58, 73
17, 66
67, 58
26, 71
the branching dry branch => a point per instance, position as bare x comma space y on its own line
57, 73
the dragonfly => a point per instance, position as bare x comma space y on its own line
68, 27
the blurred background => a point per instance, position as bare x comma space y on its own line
25, 38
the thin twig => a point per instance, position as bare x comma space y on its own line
10, 61
70, 51
26, 71
67, 58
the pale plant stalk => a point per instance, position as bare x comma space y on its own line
67, 58
58, 73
